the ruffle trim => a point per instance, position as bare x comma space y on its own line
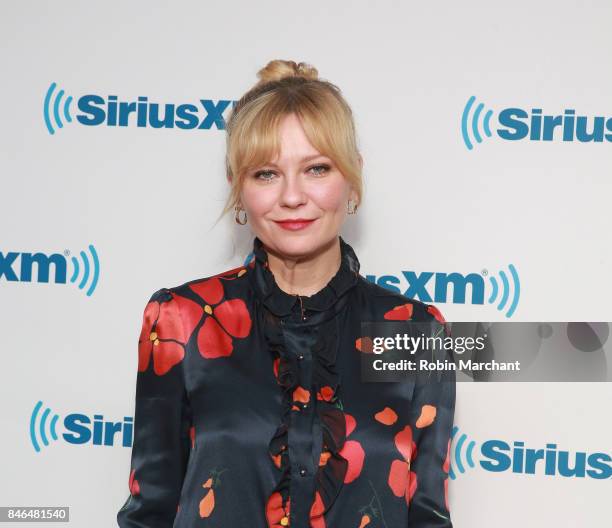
332, 468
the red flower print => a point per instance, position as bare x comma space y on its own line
401, 480
325, 393
446, 469
436, 313
364, 344
403, 312
276, 513
192, 436
352, 451
133, 483
224, 319
316, 512
162, 336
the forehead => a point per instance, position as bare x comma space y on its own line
293, 142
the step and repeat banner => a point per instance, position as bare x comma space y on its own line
486, 133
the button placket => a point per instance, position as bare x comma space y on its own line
300, 433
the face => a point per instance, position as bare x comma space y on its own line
301, 184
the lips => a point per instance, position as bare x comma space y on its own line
295, 224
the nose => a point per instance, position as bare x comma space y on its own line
292, 191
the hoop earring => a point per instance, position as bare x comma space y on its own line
237, 215
351, 209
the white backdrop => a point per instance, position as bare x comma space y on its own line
146, 199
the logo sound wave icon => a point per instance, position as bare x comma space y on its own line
460, 452
40, 423
504, 291
472, 122
53, 109
92, 269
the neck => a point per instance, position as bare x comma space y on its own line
306, 275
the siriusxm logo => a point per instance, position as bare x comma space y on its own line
533, 125
88, 268
498, 456
429, 286
97, 110
78, 429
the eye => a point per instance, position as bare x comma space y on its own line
259, 175
320, 169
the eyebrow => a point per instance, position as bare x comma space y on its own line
303, 160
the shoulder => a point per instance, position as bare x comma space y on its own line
181, 307
397, 306
211, 288
191, 297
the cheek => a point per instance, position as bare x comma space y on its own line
332, 196
258, 200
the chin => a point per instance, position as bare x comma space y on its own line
300, 244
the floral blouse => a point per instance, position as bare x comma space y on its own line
250, 409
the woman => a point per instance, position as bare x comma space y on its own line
250, 409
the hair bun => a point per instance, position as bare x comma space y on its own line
279, 69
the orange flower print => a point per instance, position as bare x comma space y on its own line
276, 513
277, 459
161, 337
324, 456
387, 416
207, 504
427, 416
300, 395
365, 520
352, 451
403, 312
401, 480
133, 484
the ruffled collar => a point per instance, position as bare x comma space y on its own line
282, 303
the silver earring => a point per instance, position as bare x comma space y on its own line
237, 216
351, 207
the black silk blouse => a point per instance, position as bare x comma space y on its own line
250, 410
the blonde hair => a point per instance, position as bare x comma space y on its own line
284, 88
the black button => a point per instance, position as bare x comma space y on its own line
300, 357
303, 472
305, 406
